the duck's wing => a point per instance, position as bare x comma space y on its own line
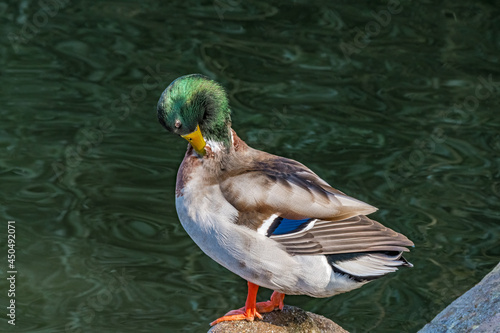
352, 235
289, 189
284, 200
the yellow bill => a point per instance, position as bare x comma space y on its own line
196, 140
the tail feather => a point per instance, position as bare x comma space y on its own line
367, 266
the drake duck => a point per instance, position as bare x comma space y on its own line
269, 219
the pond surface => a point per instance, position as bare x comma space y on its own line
394, 104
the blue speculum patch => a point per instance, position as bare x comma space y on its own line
283, 226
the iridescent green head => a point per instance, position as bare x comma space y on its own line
194, 102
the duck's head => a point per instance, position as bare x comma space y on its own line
196, 108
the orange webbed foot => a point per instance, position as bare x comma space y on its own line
252, 309
239, 314
276, 302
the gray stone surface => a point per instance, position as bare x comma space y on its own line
478, 310
290, 320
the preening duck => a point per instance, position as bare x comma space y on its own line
269, 219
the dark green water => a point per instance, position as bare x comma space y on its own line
407, 120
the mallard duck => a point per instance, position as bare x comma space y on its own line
269, 219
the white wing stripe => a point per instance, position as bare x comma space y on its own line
266, 225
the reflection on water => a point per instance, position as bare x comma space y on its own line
404, 120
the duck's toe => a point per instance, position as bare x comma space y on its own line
276, 302
248, 314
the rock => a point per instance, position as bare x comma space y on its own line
290, 320
477, 310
